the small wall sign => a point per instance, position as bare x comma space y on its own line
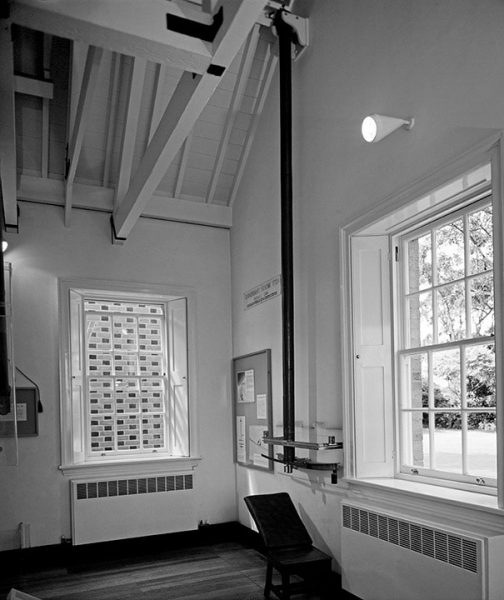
262, 292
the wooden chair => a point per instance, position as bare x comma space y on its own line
288, 545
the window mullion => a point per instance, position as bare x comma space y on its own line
431, 414
434, 292
463, 402
467, 286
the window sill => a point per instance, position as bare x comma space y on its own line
471, 510
125, 467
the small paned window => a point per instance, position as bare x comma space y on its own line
125, 367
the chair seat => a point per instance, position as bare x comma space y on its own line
296, 558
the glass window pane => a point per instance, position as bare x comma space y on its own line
98, 332
415, 439
153, 431
127, 395
420, 263
128, 432
482, 305
102, 433
451, 313
482, 445
420, 319
480, 241
446, 378
416, 385
480, 376
450, 251
448, 442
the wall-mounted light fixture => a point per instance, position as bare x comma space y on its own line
5, 245
376, 127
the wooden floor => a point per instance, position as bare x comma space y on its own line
222, 571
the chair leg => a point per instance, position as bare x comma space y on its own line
269, 580
285, 586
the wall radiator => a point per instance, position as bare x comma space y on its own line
386, 556
128, 507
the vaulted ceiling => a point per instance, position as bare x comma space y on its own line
121, 106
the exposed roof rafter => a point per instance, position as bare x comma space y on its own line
128, 27
92, 197
270, 65
157, 106
241, 82
130, 128
182, 166
111, 115
188, 101
87, 89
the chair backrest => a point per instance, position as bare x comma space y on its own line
277, 520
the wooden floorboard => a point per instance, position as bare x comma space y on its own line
224, 571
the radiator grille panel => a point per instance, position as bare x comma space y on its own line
449, 548
128, 487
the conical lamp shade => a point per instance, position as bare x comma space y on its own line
376, 127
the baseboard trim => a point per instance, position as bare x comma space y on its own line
64, 555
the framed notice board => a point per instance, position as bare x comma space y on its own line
253, 414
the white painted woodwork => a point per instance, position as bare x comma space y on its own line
178, 370
45, 107
78, 57
34, 87
130, 128
241, 81
89, 77
373, 405
7, 126
270, 63
185, 209
184, 108
111, 116
182, 166
131, 28
157, 107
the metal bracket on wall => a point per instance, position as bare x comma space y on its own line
306, 463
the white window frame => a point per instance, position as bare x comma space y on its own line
387, 214
402, 348
75, 457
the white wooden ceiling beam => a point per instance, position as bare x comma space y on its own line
182, 166
77, 65
157, 105
128, 27
95, 198
130, 127
87, 89
34, 87
111, 115
188, 101
270, 63
236, 98
7, 127
46, 59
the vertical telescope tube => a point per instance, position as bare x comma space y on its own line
284, 32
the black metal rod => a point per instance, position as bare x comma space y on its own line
285, 37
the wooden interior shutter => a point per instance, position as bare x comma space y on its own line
178, 375
75, 383
373, 385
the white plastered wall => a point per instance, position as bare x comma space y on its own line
440, 62
157, 252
